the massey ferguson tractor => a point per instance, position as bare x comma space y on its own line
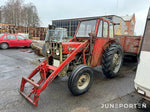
93, 45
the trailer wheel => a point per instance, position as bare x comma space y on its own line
112, 60
80, 80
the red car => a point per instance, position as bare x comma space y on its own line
13, 40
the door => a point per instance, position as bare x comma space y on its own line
21, 41
11, 40
100, 40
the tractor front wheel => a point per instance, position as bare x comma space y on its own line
80, 80
112, 60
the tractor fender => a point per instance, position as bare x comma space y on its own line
104, 47
108, 43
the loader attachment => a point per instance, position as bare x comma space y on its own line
43, 69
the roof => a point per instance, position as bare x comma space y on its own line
127, 17
82, 18
86, 18
108, 16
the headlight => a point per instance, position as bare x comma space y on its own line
55, 47
48, 52
57, 52
69, 48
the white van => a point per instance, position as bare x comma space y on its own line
142, 79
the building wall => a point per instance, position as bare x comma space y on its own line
34, 32
130, 24
6, 28
122, 29
119, 29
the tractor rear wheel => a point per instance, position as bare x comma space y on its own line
80, 80
112, 60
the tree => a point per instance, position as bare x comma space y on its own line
17, 13
30, 15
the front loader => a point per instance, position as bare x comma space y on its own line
93, 45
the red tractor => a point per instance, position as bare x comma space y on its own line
93, 45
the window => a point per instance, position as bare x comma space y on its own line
1, 35
4, 37
11, 37
85, 28
105, 30
99, 33
111, 30
20, 37
3, 26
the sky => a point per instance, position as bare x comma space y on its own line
49, 10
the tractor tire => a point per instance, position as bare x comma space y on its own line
4, 46
80, 80
112, 60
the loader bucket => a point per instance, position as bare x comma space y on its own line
38, 87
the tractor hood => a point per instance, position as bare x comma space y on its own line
67, 47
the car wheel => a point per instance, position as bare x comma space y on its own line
80, 80
4, 45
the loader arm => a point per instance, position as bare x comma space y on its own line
43, 68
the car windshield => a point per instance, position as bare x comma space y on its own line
57, 35
1, 35
86, 27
